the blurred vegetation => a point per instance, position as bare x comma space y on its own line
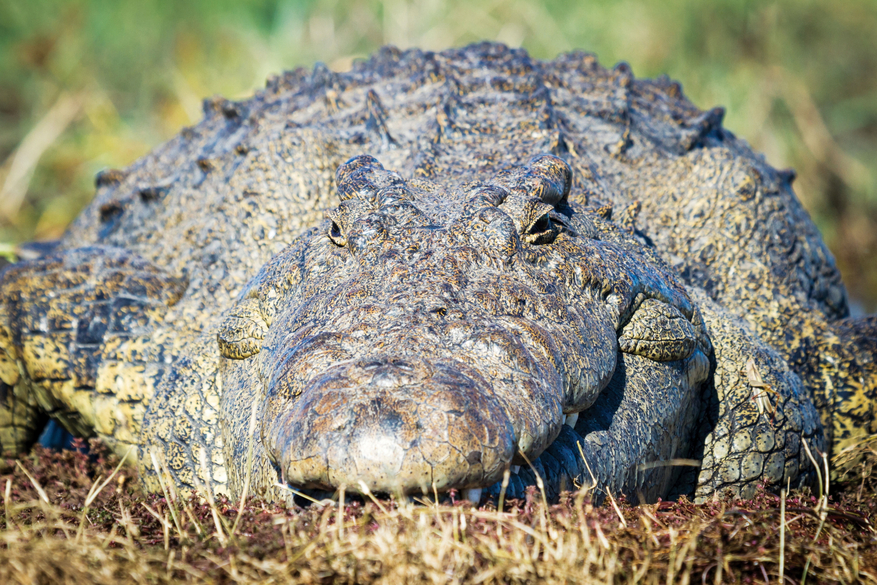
89, 84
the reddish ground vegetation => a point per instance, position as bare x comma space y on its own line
63, 522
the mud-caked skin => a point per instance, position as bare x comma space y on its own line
436, 268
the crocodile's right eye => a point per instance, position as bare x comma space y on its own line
336, 235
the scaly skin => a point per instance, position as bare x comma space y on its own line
411, 350
507, 244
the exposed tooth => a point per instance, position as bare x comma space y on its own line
473, 495
516, 469
571, 419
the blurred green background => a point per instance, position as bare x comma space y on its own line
89, 84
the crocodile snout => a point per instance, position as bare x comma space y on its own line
398, 425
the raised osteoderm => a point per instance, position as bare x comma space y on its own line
437, 268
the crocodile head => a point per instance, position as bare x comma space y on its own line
426, 338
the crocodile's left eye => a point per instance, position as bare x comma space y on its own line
542, 224
540, 231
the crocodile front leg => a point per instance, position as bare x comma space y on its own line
760, 416
854, 364
21, 416
81, 340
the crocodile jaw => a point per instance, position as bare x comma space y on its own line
393, 425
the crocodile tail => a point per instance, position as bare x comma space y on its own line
854, 416
77, 330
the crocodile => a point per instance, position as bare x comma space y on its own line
462, 270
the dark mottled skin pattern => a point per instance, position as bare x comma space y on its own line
410, 276
413, 348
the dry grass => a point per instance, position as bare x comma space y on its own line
63, 523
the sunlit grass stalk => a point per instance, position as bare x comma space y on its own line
94, 491
782, 534
208, 491
254, 410
171, 503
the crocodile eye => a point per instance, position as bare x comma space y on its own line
541, 231
337, 236
540, 225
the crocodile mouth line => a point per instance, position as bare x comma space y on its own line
473, 494
568, 459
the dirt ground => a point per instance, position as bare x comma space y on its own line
77, 518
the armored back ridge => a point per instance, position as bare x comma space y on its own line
438, 271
